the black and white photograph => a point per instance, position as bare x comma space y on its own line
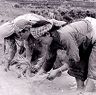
47, 47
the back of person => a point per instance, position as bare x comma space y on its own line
77, 30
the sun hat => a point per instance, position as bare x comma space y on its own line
44, 26
26, 20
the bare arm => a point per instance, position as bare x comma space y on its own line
70, 43
57, 72
28, 52
63, 67
43, 56
10, 50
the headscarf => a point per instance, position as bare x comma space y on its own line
6, 30
44, 26
39, 30
40, 25
21, 24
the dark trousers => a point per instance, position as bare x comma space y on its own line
80, 70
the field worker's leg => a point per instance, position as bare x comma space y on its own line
10, 51
91, 70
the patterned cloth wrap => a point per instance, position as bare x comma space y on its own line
44, 26
40, 25
38, 30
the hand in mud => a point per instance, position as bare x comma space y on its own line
7, 65
35, 68
6, 62
38, 66
53, 74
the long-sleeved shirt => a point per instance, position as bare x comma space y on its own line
72, 35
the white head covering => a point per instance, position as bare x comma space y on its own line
21, 24
6, 30
57, 23
34, 19
31, 17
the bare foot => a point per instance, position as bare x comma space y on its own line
90, 86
